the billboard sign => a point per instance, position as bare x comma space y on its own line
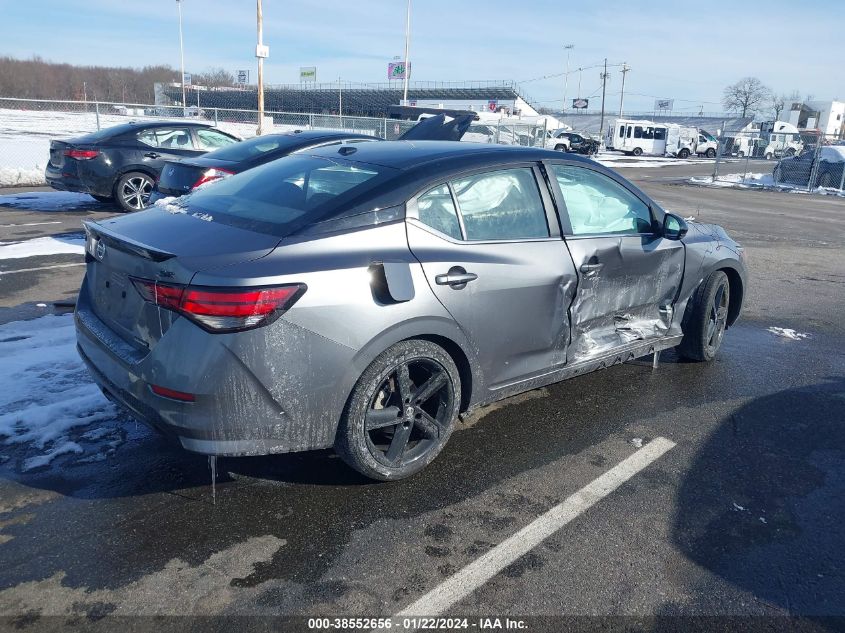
307, 73
243, 77
492, 105
663, 104
580, 104
186, 79
396, 70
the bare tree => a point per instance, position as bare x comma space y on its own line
778, 104
745, 96
215, 78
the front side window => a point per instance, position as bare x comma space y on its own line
622, 131
436, 209
660, 134
501, 205
597, 204
212, 139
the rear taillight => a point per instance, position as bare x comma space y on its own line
82, 154
222, 309
210, 175
164, 392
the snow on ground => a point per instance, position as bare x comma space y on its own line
72, 244
786, 332
49, 405
618, 160
759, 181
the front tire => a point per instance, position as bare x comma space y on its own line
706, 318
560, 148
401, 412
133, 191
710, 153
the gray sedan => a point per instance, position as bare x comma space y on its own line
362, 297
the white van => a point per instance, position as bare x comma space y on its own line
637, 137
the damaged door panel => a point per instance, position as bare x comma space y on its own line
626, 289
628, 274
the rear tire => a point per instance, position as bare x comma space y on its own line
637, 151
133, 191
401, 411
706, 318
102, 198
769, 156
684, 153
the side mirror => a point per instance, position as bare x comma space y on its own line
674, 227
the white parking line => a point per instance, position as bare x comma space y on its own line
5, 226
32, 270
474, 575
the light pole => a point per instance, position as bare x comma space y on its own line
261, 52
181, 55
568, 48
407, 49
624, 72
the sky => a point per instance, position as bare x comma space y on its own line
687, 51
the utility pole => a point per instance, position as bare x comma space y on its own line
260, 53
407, 51
624, 72
340, 100
568, 48
603, 90
181, 56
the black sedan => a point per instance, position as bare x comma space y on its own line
581, 144
123, 162
825, 167
181, 176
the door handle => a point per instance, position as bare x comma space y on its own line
151, 155
456, 277
591, 268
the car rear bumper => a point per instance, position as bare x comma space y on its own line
68, 181
242, 407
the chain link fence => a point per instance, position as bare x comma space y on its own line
26, 127
804, 160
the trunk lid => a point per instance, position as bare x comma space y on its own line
179, 176
156, 245
57, 153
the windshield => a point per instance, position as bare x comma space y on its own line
284, 195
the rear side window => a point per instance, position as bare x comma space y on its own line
285, 194
169, 138
638, 132
597, 204
501, 205
436, 209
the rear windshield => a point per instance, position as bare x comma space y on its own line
285, 195
254, 147
106, 132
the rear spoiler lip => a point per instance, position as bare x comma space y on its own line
125, 244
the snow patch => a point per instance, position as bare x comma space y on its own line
46, 393
787, 332
21, 177
71, 244
759, 181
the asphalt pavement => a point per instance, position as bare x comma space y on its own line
709, 495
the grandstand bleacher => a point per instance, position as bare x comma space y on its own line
358, 100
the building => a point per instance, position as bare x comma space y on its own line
828, 117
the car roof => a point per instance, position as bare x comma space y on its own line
410, 155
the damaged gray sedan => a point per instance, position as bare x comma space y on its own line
363, 297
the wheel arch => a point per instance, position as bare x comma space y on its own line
120, 173
737, 289
439, 330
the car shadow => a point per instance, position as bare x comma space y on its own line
54, 201
762, 504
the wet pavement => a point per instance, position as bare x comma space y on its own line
743, 517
